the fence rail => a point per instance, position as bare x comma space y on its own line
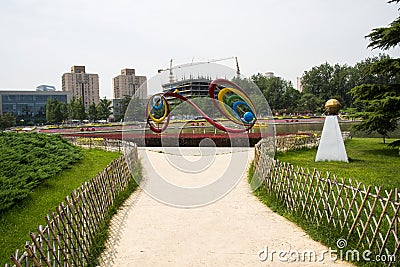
67, 237
100, 143
301, 140
365, 214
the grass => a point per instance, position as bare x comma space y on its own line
370, 162
24, 217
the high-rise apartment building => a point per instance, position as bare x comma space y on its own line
129, 84
82, 85
299, 84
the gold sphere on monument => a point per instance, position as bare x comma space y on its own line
332, 106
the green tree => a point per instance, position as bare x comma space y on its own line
273, 89
360, 73
59, 107
381, 100
49, 111
326, 81
6, 121
92, 112
123, 107
56, 111
104, 109
253, 91
76, 109
71, 108
386, 37
309, 103
291, 99
63, 111
80, 109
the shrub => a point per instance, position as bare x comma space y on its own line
27, 159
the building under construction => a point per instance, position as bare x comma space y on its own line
192, 87
189, 88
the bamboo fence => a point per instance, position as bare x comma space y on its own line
67, 236
364, 214
301, 140
99, 142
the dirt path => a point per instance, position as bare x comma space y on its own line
230, 232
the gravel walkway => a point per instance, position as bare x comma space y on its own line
230, 232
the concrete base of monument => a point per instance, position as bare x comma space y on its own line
331, 146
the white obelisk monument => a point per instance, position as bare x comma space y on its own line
331, 146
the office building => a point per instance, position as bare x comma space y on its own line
82, 85
45, 88
29, 105
129, 84
117, 108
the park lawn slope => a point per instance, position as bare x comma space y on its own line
26, 215
370, 162
28, 159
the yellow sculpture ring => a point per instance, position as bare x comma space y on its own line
154, 119
222, 103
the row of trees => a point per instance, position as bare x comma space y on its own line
57, 111
369, 90
322, 83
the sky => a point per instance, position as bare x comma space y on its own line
42, 39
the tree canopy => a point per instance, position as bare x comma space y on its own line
56, 111
104, 109
320, 83
381, 100
386, 37
76, 109
7, 120
280, 94
326, 81
92, 112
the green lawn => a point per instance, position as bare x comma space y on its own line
370, 162
24, 217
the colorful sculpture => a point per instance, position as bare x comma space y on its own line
228, 97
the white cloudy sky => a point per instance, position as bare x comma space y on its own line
42, 39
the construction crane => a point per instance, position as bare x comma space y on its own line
171, 74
